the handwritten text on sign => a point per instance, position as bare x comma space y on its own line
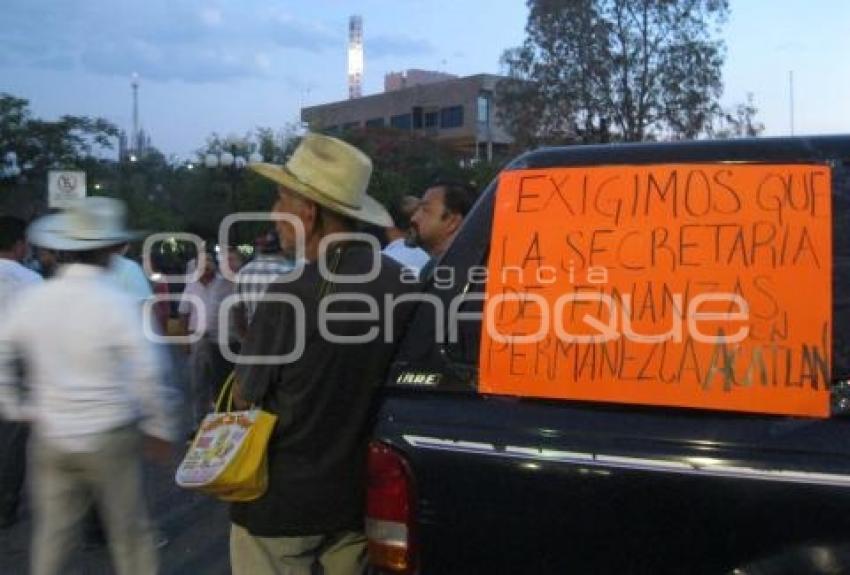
704, 285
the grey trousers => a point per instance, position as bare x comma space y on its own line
336, 554
64, 485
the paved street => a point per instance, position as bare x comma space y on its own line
196, 527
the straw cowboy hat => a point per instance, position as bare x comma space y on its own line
333, 174
88, 224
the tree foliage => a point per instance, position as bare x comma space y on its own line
597, 70
406, 163
166, 195
39, 145
739, 122
42, 143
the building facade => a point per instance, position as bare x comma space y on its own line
413, 77
458, 111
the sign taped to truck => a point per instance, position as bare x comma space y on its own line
693, 285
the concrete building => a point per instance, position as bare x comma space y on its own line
413, 77
459, 111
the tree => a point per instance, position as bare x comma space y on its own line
739, 122
70, 141
594, 70
42, 143
406, 163
208, 195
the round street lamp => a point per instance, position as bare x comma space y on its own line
11, 170
13, 179
233, 164
10, 167
231, 160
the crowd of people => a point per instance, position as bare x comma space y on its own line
83, 384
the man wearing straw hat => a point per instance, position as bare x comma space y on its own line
313, 511
95, 390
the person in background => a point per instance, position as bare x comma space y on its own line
129, 275
233, 338
15, 279
192, 264
14, 276
96, 393
437, 220
199, 309
254, 278
412, 257
48, 262
161, 309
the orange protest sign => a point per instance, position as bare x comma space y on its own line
696, 285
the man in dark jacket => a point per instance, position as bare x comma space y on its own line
438, 219
339, 337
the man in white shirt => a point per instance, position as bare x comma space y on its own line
413, 258
95, 393
14, 280
129, 275
14, 277
131, 279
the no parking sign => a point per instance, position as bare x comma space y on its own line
64, 187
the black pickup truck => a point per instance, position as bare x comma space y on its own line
469, 479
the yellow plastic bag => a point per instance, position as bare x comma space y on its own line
227, 458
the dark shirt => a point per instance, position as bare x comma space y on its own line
427, 270
324, 400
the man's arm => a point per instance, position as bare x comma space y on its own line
272, 334
137, 282
157, 401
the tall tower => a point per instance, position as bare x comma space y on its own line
134, 138
355, 57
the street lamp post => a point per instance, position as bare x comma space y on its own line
12, 174
10, 167
233, 164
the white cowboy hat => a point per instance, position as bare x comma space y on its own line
88, 224
333, 174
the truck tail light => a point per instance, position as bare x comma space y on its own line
389, 511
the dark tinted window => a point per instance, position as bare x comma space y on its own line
402, 121
455, 357
458, 359
840, 269
451, 117
484, 108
